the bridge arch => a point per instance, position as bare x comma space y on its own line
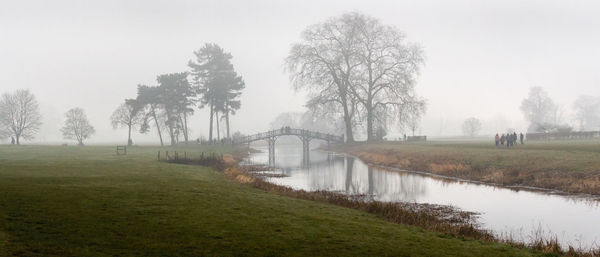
305, 136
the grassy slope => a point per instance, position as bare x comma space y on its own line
72, 201
569, 166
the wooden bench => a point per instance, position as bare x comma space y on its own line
121, 150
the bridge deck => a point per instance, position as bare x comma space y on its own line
302, 133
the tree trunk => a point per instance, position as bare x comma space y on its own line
348, 124
347, 120
210, 130
369, 124
129, 134
18, 137
157, 127
218, 129
227, 120
369, 107
185, 128
369, 104
172, 133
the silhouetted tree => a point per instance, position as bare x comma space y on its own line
175, 95
587, 112
19, 115
360, 64
411, 118
385, 78
128, 114
149, 97
539, 109
217, 83
471, 127
323, 62
77, 126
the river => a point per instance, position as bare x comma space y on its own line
519, 214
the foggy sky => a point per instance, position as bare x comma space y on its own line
481, 56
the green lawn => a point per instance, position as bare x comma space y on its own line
86, 201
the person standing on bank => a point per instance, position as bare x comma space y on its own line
497, 139
521, 137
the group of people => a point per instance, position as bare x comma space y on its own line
510, 139
286, 129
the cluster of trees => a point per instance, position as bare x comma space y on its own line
545, 115
167, 106
542, 113
20, 118
360, 71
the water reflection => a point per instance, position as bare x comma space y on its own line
506, 211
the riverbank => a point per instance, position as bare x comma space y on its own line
87, 201
434, 217
570, 167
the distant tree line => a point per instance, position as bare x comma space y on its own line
545, 115
167, 106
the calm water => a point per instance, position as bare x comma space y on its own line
574, 220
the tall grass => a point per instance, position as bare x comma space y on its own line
567, 167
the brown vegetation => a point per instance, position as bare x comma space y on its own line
554, 167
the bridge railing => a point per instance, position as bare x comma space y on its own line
289, 132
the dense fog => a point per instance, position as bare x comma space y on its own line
480, 57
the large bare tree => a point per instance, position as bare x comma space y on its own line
385, 81
363, 66
19, 115
323, 62
77, 126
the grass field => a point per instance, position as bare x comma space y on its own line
571, 166
86, 201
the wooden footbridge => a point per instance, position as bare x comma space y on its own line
305, 136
